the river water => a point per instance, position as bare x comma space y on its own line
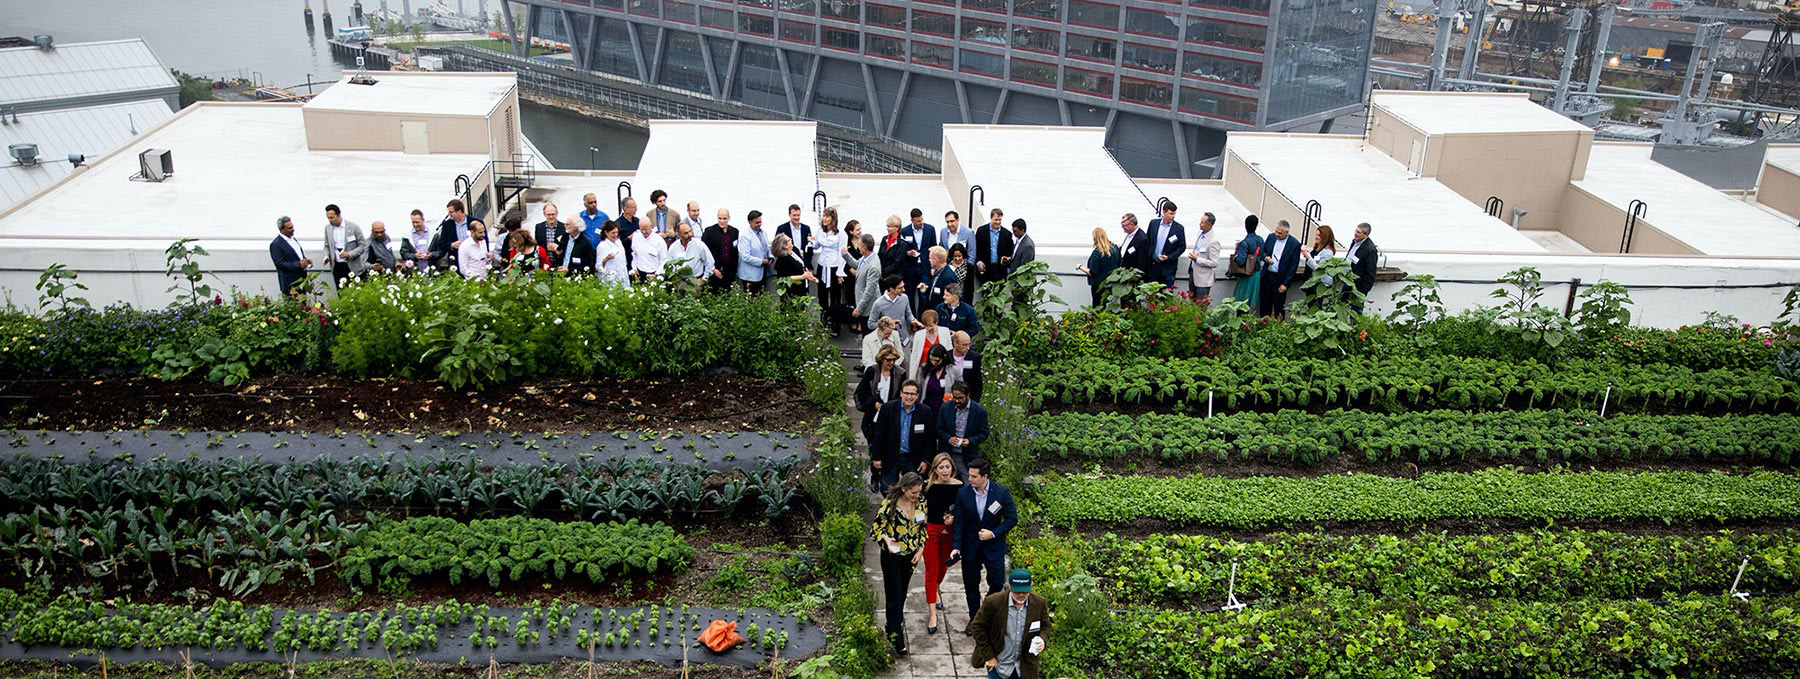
268, 41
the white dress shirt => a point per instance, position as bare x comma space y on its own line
612, 270
829, 258
694, 255
1275, 254
473, 258
648, 252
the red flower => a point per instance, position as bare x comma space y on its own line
218, 300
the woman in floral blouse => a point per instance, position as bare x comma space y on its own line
900, 528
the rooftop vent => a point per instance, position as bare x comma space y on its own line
155, 165
45, 42
26, 154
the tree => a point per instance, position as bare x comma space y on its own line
193, 88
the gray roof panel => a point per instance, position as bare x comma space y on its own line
89, 131
34, 78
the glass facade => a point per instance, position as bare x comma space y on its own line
1149, 58
1321, 57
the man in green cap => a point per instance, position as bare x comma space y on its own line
1010, 630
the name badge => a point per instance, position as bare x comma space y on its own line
1171, 239
1131, 249
937, 291
918, 429
906, 238
1036, 626
952, 317
993, 506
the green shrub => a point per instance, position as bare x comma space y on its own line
859, 649
838, 483
841, 537
512, 549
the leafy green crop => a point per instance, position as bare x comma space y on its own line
1438, 435
1244, 382
1184, 570
513, 549
1487, 494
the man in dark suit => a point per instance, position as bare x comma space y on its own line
936, 278
800, 234
993, 251
1168, 239
289, 257
1363, 258
966, 362
923, 236
721, 240
451, 233
1281, 258
549, 233
1024, 249
981, 518
1134, 251
906, 435
574, 256
962, 425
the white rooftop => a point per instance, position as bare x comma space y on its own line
435, 93
735, 165
91, 131
237, 167
77, 73
1784, 156
871, 198
1193, 199
1437, 113
1060, 180
1357, 183
1685, 209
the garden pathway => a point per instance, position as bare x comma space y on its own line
944, 655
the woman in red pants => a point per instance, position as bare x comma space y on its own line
940, 494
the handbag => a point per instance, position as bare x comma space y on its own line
1245, 270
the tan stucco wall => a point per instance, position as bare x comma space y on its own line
1257, 196
1599, 226
1779, 189
503, 144
1394, 137
362, 131
1529, 171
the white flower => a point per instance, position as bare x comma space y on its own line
558, 321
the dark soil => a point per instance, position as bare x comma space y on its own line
359, 669
1350, 464
708, 403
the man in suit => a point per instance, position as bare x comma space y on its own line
937, 277
574, 256
1134, 250
721, 240
548, 232
918, 266
1168, 239
982, 516
345, 242
451, 234
800, 234
289, 258
1011, 630
1024, 249
662, 220
966, 362
962, 425
956, 314
906, 435
954, 234
993, 251
1363, 258
1281, 258
753, 255
1204, 259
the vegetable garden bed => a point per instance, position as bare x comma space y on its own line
701, 403
229, 633
727, 451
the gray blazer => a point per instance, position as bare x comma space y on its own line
868, 284
1024, 252
355, 245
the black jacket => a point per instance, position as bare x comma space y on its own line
866, 397
1366, 262
887, 437
1135, 253
582, 260
983, 234
971, 374
722, 243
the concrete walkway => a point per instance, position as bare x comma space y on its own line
944, 655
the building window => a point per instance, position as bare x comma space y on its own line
887, 17
1093, 49
762, 4
1217, 105
679, 11
1089, 82
1241, 36
1036, 39
616, 5
684, 65
1042, 9
849, 41
1152, 22
799, 6
931, 23
756, 25
995, 6
713, 17
1145, 92
1257, 6
983, 63
1247, 73
795, 31
847, 10
1150, 58
1091, 14
647, 8
886, 47
1320, 58
976, 30
1033, 72
928, 54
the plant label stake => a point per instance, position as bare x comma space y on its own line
1740, 596
1209, 407
1231, 600
1604, 399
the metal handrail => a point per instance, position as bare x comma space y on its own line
974, 189
1311, 214
1635, 210
819, 199
620, 193
1495, 207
